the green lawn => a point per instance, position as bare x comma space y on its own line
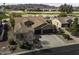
51, 13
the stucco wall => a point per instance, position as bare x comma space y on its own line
27, 37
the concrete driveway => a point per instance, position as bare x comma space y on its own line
54, 41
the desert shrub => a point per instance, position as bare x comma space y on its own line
26, 46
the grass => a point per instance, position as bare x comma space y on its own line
47, 13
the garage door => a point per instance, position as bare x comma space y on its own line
48, 31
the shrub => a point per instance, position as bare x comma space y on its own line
61, 31
26, 46
70, 39
66, 36
16, 15
12, 42
3, 16
12, 48
47, 17
49, 21
36, 41
22, 46
63, 14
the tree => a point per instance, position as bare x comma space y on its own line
74, 27
66, 8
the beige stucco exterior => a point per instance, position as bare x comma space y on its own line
57, 23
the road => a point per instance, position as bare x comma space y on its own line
66, 50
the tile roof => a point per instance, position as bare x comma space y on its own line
37, 20
64, 19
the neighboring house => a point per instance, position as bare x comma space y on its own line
62, 21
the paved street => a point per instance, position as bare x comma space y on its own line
66, 50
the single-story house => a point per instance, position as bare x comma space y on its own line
38, 23
62, 21
27, 27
